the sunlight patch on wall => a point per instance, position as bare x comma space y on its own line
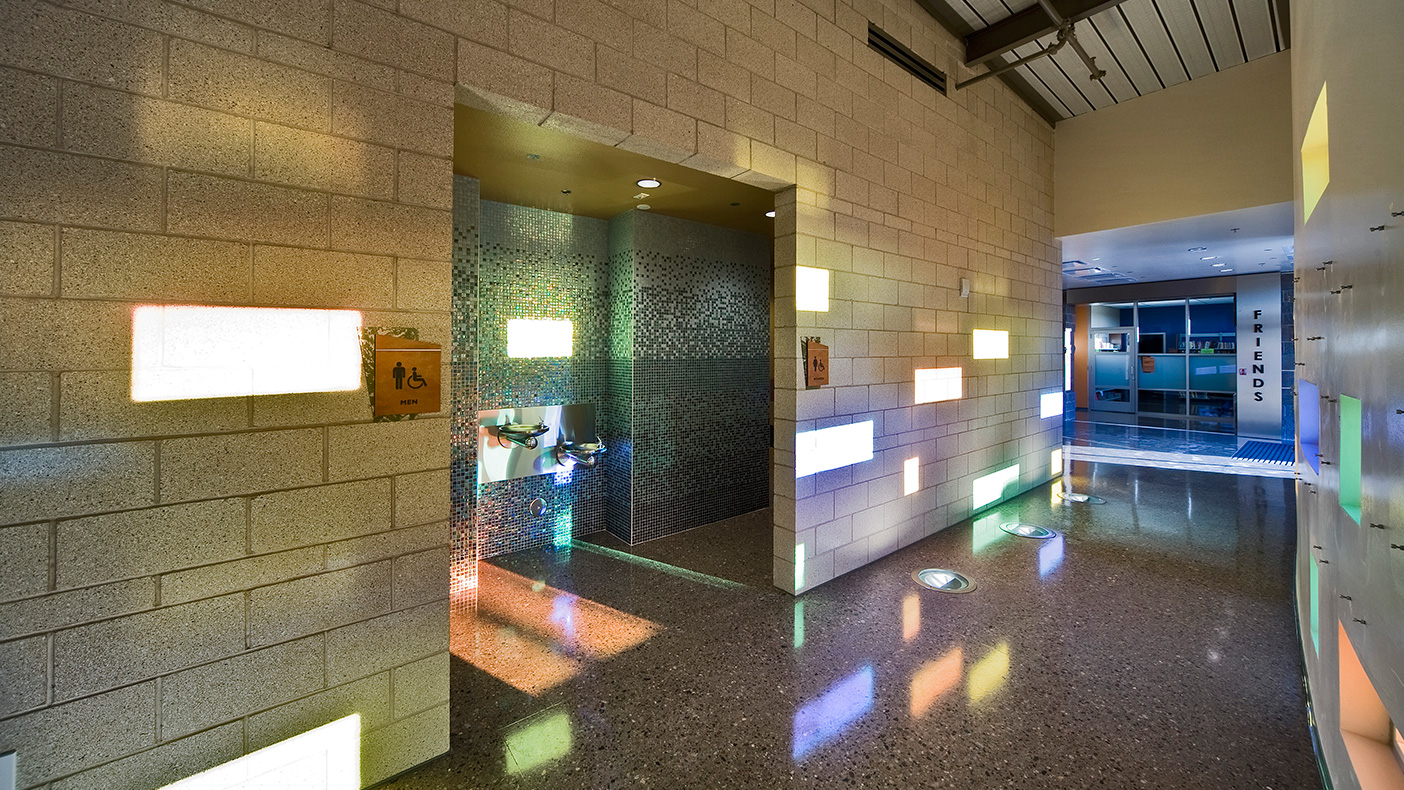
991, 344
811, 289
937, 384
181, 352
326, 758
530, 338
833, 448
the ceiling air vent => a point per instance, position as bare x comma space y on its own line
910, 62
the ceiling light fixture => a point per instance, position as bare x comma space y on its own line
1225, 271
1210, 258
533, 157
1197, 249
641, 196
770, 214
643, 207
649, 183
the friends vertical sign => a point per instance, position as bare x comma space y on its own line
1259, 308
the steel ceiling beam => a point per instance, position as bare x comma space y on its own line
1026, 26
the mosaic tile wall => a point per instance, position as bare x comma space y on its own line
463, 379
672, 334
619, 380
545, 265
701, 374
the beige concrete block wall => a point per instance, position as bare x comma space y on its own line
209, 133
184, 582
896, 189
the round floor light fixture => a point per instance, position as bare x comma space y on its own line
942, 580
1027, 530
1086, 499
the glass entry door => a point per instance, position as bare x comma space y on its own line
1113, 374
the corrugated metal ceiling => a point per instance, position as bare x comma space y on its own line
1144, 45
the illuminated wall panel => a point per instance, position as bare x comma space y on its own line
994, 486
1316, 157
327, 758
1055, 461
811, 289
937, 384
181, 352
833, 448
531, 338
1050, 404
1350, 456
911, 476
991, 344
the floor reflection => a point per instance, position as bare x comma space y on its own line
533, 636
826, 717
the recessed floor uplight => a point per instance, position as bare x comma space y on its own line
770, 214
649, 183
1028, 530
942, 580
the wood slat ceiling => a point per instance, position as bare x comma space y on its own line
1144, 45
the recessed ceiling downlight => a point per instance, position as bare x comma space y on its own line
643, 207
770, 214
649, 183
1210, 258
942, 580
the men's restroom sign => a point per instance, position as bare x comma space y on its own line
406, 376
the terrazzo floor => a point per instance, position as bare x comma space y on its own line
1164, 448
1151, 645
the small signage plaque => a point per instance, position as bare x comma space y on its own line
406, 376
816, 363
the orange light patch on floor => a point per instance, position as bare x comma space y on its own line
535, 637
934, 679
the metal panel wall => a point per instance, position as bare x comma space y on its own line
1350, 255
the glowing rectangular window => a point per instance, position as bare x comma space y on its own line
327, 757
811, 289
1050, 404
1316, 156
181, 352
1350, 456
1055, 461
531, 338
911, 476
833, 448
935, 384
994, 486
991, 344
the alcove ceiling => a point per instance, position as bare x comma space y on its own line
528, 165
1143, 45
1229, 244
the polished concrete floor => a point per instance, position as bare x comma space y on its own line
1164, 448
1151, 645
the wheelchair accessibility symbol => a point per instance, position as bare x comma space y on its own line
414, 382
